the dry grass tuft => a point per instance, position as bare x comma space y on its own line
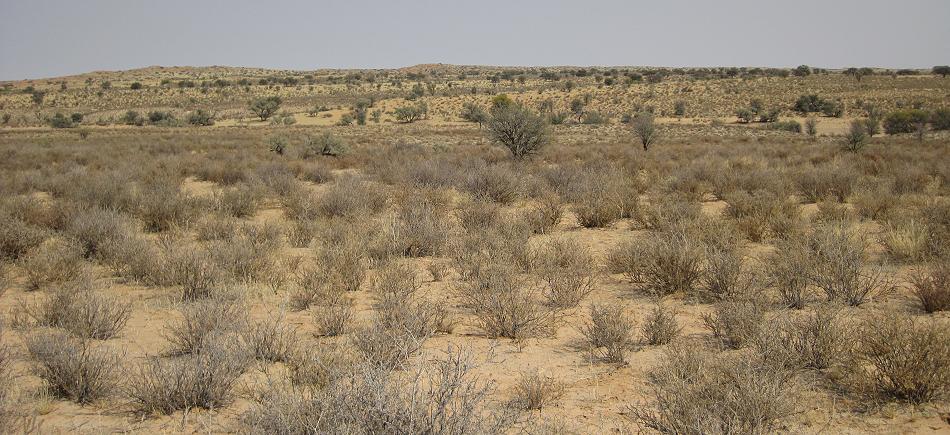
535, 391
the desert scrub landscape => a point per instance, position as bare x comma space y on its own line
452, 249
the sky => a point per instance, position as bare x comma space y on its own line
49, 38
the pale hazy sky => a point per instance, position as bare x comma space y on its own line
45, 38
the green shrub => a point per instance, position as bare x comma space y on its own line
326, 144
790, 126
594, 117
809, 104
265, 107
904, 121
132, 117
60, 121
200, 117
411, 113
679, 108
940, 119
472, 112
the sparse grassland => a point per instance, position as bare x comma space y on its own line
421, 277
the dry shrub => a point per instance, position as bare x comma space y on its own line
838, 258
875, 202
301, 232
504, 304
543, 215
55, 261
193, 270
400, 306
535, 391
602, 196
6, 278
237, 201
478, 214
660, 326
345, 266
757, 214
832, 180
439, 270
18, 237
301, 204
442, 395
492, 182
609, 329
333, 318
8, 399
699, 393
351, 197
82, 312
385, 348
906, 240
936, 215
315, 172
505, 243
903, 359
831, 212
162, 206
204, 378
73, 368
96, 228
270, 340
249, 255
736, 322
725, 273
818, 339
136, 258
567, 270
665, 263
222, 171
670, 213
319, 366
687, 182
312, 287
931, 285
787, 271
420, 226
213, 227
201, 319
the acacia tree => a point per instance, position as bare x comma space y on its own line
644, 128
265, 107
520, 130
941, 70
411, 113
